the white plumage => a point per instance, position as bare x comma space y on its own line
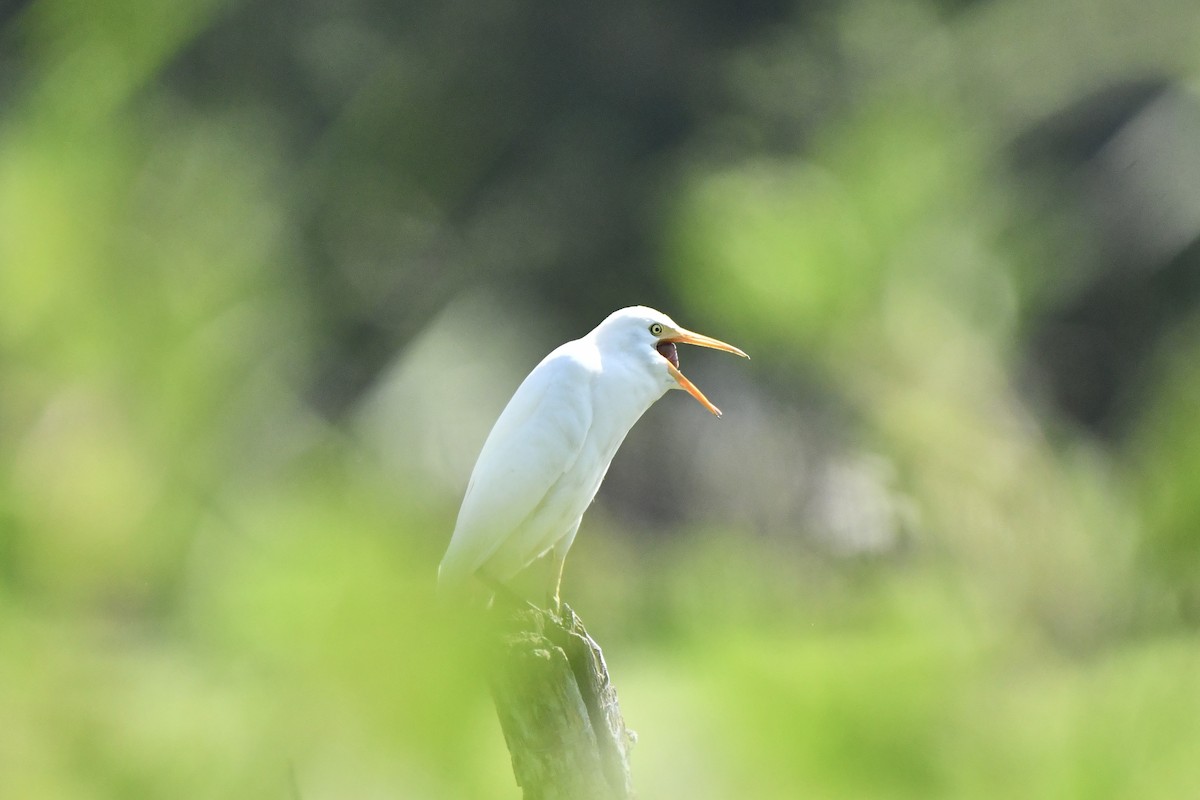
544, 459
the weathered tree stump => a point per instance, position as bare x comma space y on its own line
558, 710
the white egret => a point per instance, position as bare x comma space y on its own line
544, 459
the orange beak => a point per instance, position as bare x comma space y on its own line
687, 337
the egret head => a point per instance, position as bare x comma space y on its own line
652, 336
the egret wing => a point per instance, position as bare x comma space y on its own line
536, 440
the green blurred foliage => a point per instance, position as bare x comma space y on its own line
213, 586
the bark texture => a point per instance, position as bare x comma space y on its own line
559, 711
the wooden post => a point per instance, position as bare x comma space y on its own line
559, 711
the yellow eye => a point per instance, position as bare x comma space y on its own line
656, 329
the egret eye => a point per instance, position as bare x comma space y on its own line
656, 329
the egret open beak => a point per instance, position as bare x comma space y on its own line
687, 337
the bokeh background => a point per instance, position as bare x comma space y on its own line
269, 270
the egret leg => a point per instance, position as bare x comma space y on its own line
502, 590
560, 559
559, 554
